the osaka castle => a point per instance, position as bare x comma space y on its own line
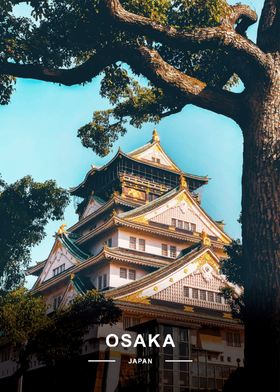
144, 240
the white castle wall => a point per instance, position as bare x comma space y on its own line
154, 153
175, 292
116, 280
59, 257
153, 245
98, 245
91, 207
103, 270
184, 212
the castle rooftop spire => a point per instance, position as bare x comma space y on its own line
183, 182
155, 137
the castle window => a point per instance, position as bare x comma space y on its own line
157, 160
56, 302
183, 225
100, 282
123, 273
193, 227
218, 298
230, 339
59, 270
210, 296
173, 251
142, 245
164, 249
237, 339
108, 242
186, 291
233, 339
131, 274
195, 293
104, 281
132, 242
180, 224
203, 295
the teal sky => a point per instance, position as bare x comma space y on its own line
38, 137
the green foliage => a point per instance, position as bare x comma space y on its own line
6, 88
101, 133
22, 315
233, 266
157, 10
54, 338
62, 340
191, 14
61, 33
133, 103
26, 207
233, 269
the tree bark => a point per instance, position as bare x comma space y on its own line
261, 233
20, 384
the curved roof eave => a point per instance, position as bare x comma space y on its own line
144, 281
95, 169
204, 179
163, 199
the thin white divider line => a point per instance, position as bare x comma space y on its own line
101, 360
178, 360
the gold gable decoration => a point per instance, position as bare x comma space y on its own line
136, 298
183, 182
140, 219
205, 239
155, 137
62, 229
206, 258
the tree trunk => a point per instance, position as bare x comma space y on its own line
261, 234
20, 384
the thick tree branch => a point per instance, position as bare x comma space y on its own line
80, 74
223, 36
268, 37
187, 89
241, 17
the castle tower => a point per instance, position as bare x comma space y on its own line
143, 239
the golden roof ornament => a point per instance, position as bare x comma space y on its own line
183, 182
205, 239
156, 137
62, 229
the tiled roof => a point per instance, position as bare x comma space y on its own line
72, 247
159, 274
143, 209
35, 269
151, 205
115, 200
143, 256
130, 156
82, 284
